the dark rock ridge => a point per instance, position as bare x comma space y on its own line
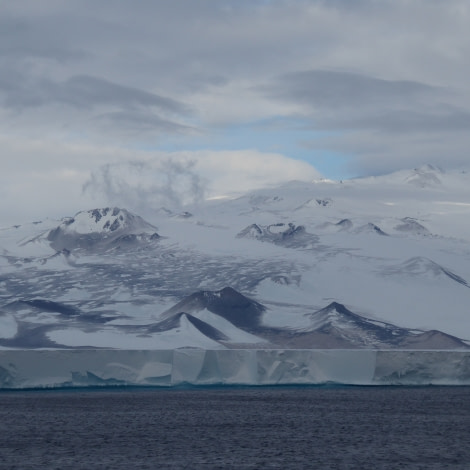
323, 202
333, 326
174, 322
317, 202
421, 266
227, 303
371, 228
338, 322
344, 224
288, 235
102, 229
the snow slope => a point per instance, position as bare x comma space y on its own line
393, 251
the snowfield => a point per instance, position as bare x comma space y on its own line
379, 263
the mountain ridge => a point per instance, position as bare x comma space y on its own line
293, 249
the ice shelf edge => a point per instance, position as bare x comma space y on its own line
20, 369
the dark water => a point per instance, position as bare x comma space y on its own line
288, 428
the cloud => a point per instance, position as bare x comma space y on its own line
349, 101
26, 34
90, 91
142, 185
83, 102
338, 89
140, 122
244, 170
435, 119
367, 72
176, 179
45, 177
380, 153
81, 92
384, 125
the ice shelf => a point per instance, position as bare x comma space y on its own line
104, 367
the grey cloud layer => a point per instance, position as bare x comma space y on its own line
371, 71
83, 92
342, 100
131, 108
368, 115
344, 89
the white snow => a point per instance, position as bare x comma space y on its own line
185, 336
84, 222
235, 335
372, 275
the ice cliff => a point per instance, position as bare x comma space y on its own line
68, 368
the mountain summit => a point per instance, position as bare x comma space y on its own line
227, 303
100, 227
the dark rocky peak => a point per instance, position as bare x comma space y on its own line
336, 319
323, 202
421, 266
227, 303
371, 228
288, 235
344, 224
252, 231
292, 231
100, 228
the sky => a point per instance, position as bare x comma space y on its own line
159, 102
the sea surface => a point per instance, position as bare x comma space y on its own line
237, 428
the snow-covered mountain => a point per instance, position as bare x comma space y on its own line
101, 228
377, 262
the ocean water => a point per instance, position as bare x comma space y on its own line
237, 428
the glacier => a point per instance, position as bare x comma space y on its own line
27, 369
